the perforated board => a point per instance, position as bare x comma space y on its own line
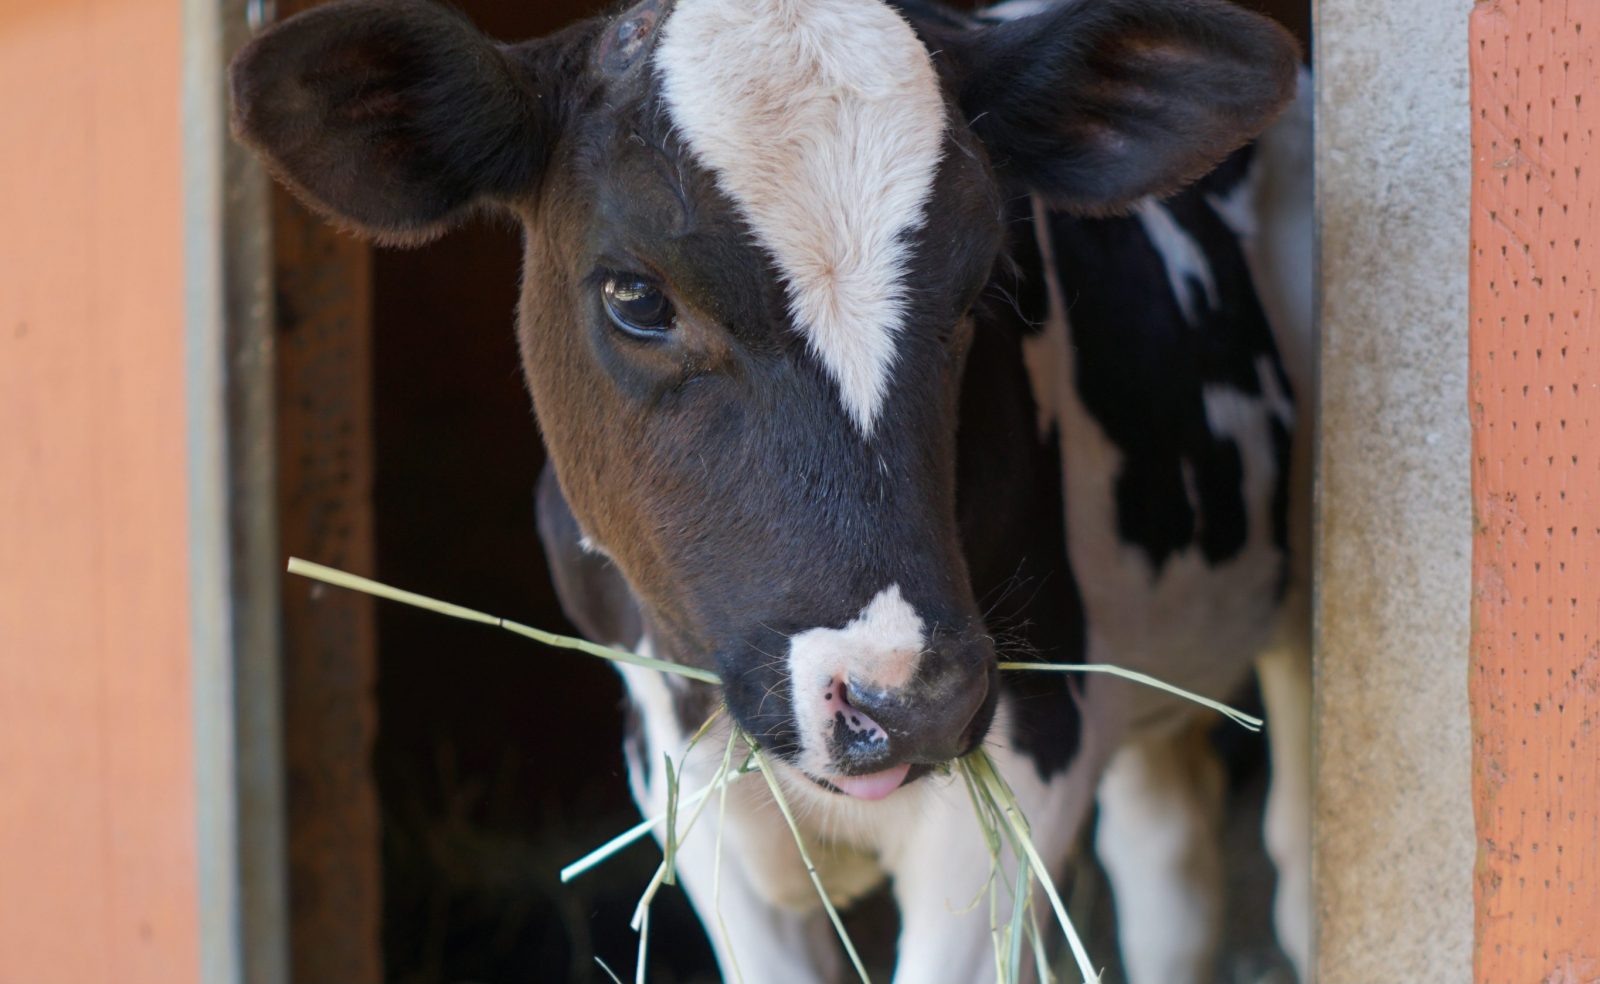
1535, 404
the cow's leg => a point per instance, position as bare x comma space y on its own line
757, 907
939, 870
940, 864
756, 939
1159, 840
1285, 675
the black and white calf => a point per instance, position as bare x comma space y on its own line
867, 339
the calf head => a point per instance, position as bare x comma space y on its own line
755, 233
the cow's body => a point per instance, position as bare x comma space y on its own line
846, 395
1128, 496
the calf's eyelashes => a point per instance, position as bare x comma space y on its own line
394, 117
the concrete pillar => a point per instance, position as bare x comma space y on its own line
1394, 825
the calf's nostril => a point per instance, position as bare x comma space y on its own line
934, 723
853, 725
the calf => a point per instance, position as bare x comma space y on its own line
867, 340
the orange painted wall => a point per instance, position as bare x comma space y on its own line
1535, 392
97, 857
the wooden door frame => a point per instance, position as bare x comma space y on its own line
241, 837
1392, 512
280, 432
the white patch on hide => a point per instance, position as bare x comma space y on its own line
1183, 258
1044, 353
1271, 213
1194, 624
1159, 839
1272, 392
823, 121
659, 722
1014, 9
1237, 208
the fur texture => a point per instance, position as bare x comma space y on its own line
823, 121
1078, 429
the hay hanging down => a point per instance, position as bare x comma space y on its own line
1000, 816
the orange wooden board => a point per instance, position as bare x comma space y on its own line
1535, 403
98, 879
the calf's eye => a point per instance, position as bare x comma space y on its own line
636, 305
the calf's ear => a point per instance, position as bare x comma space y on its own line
394, 117
1096, 103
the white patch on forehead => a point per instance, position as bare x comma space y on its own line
879, 649
823, 121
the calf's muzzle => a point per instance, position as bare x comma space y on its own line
940, 714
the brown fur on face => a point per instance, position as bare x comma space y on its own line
716, 463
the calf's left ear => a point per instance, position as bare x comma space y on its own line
394, 117
1097, 103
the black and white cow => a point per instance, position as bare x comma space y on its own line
868, 339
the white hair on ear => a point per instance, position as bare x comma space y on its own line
823, 121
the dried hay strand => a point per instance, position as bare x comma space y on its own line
999, 814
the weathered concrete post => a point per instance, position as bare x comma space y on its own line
1394, 833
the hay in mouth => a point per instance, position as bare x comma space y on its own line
1000, 816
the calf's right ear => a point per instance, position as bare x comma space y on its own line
395, 117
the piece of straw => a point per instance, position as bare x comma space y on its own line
669, 859
1239, 717
669, 848
992, 799
642, 829
642, 924
1005, 942
991, 782
716, 871
663, 875
805, 856
991, 839
637, 832
1019, 900
1042, 962
354, 582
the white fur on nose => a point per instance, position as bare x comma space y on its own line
879, 650
823, 121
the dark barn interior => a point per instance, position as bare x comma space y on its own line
493, 762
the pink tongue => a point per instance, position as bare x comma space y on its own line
874, 786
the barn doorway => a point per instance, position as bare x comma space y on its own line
427, 813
